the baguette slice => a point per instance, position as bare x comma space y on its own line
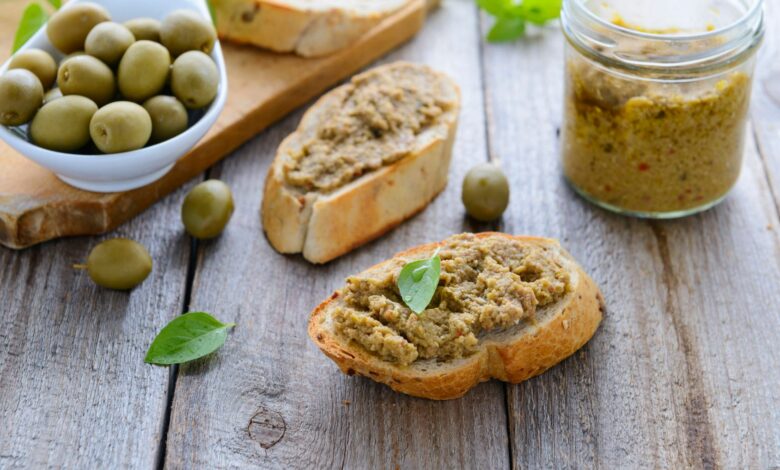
326, 223
310, 28
512, 355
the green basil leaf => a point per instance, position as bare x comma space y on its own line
540, 11
418, 281
55, 3
33, 18
187, 337
212, 12
506, 29
494, 7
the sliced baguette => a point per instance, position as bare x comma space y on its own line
326, 224
511, 355
309, 28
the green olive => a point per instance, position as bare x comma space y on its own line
21, 94
68, 28
71, 55
185, 30
207, 209
169, 117
63, 124
143, 70
37, 61
52, 95
119, 264
120, 126
485, 192
194, 79
87, 76
144, 29
108, 42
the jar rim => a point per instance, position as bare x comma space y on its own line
697, 53
755, 9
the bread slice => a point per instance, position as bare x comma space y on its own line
309, 28
511, 354
324, 220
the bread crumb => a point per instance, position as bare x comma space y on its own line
346, 402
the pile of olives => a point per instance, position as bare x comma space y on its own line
119, 86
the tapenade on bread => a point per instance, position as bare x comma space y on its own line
506, 307
365, 157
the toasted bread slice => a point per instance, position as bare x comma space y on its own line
309, 28
327, 201
512, 354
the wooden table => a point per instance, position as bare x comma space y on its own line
684, 371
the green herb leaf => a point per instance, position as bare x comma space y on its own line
418, 281
212, 12
33, 18
506, 29
540, 11
55, 3
188, 337
512, 16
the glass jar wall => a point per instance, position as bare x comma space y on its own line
656, 101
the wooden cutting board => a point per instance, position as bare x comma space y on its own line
36, 206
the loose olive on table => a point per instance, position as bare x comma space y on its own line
37, 61
119, 264
207, 209
485, 192
63, 124
21, 94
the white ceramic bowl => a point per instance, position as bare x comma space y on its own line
127, 170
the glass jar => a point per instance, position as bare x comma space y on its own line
656, 100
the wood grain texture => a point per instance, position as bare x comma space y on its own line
36, 206
270, 398
683, 370
74, 390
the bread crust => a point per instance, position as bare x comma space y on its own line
527, 354
325, 226
309, 29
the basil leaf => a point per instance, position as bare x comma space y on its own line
418, 281
212, 12
33, 18
494, 7
55, 3
188, 337
540, 11
506, 29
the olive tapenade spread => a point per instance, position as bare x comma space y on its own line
650, 146
376, 125
486, 284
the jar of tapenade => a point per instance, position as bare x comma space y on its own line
656, 101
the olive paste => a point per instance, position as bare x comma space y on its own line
650, 146
375, 125
486, 284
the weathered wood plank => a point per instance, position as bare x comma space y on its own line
306, 413
681, 372
766, 100
74, 390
